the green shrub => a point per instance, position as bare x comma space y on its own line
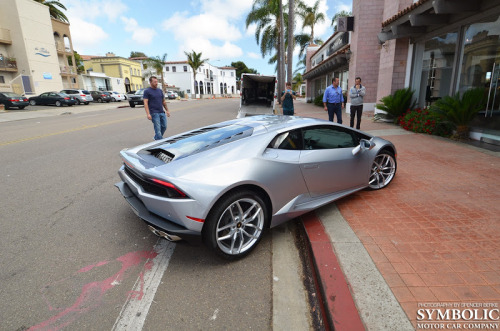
458, 111
397, 104
318, 101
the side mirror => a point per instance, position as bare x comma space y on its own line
363, 145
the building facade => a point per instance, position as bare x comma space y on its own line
34, 49
435, 47
210, 81
115, 66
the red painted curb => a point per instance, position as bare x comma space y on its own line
340, 307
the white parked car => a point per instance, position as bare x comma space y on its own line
115, 96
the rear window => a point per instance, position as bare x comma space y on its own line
204, 139
85, 92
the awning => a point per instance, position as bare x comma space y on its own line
427, 15
334, 61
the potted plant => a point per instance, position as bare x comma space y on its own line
396, 105
459, 111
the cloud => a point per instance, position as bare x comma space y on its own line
140, 35
85, 35
254, 55
210, 50
94, 9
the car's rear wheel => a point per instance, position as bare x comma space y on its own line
21, 107
383, 170
86, 103
99, 100
235, 225
58, 103
32, 102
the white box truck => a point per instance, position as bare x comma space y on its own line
258, 95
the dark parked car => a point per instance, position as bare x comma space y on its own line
136, 99
80, 96
9, 100
100, 96
52, 98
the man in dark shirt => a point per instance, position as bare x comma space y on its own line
287, 98
154, 102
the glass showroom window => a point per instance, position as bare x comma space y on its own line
481, 60
437, 67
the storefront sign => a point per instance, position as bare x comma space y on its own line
42, 52
47, 75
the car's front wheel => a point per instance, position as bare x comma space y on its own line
235, 225
132, 105
383, 170
99, 100
32, 102
78, 101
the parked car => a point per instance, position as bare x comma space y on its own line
9, 100
80, 96
52, 98
171, 95
100, 96
136, 98
226, 183
115, 96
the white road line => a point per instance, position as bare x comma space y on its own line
134, 311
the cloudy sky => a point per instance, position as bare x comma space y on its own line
214, 27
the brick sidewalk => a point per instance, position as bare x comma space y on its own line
434, 232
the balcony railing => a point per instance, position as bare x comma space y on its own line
5, 37
67, 70
8, 64
61, 48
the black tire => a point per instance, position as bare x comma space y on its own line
114, 100
58, 103
32, 103
383, 170
78, 101
99, 100
235, 224
20, 108
86, 103
132, 105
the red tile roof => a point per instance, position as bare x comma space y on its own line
403, 12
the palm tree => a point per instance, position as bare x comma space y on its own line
157, 64
291, 44
55, 12
310, 17
195, 61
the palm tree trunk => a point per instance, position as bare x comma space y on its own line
281, 53
291, 23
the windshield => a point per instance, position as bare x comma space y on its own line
140, 91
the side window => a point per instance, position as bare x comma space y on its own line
329, 138
291, 140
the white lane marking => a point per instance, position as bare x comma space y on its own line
214, 316
134, 311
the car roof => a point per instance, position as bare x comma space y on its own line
279, 122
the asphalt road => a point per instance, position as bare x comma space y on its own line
74, 256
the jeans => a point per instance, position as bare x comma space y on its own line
334, 109
356, 111
160, 124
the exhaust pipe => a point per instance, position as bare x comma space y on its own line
163, 234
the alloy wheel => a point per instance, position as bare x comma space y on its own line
382, 171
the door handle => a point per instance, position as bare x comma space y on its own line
311, 166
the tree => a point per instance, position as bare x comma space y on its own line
291, 44
241, 68
310, 17
297, 81
342, 13
195, 61
78, 62
137, 54
55, 12
157, 64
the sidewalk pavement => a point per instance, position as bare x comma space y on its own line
430, 240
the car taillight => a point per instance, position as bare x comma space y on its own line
172, 190
103, 95
66, 98
25, 99
83, 95
14, 100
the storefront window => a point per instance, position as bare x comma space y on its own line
481, 60
437, 67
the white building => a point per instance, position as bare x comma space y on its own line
211, 81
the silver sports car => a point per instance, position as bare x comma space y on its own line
227, 182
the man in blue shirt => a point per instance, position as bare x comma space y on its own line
154, 102
333, 101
